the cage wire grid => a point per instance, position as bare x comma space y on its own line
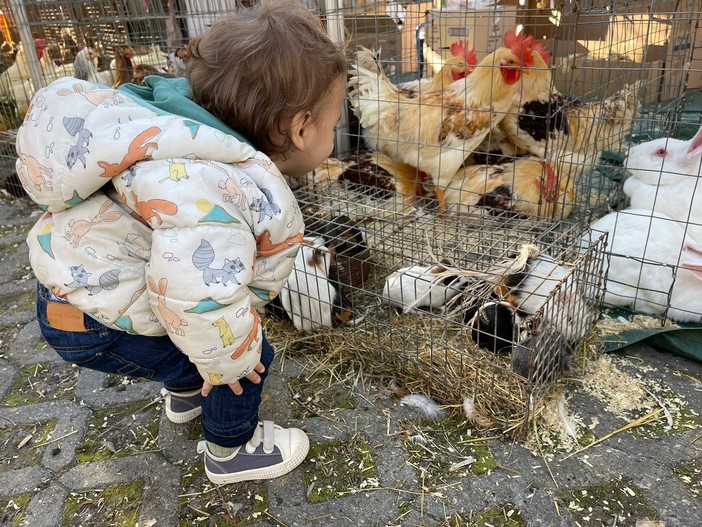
627, 64
424, 346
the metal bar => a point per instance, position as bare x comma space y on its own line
20, 13
336, 31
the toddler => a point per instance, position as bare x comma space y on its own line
168, 221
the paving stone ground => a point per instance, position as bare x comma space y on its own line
79, 447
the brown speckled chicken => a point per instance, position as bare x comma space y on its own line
437, 130
527, 185
543, 118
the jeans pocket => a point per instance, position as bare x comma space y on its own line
98, 348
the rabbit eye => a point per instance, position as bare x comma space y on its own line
660, 152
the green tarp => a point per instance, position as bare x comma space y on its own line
685, 340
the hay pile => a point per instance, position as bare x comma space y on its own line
450, 371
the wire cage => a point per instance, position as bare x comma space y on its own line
430, 301
446, 214
461, 255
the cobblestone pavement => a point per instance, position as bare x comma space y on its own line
83, 448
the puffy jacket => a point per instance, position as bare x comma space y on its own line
156, 223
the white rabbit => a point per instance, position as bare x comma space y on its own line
311, 298
665, 178
655, 266
420, 286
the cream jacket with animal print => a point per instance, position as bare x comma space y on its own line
156, 224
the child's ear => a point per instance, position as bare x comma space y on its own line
299, 129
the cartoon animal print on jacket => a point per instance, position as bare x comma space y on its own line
96, 97
153, 208
38, 174
79, 228
232, 194
132, 300
35, 110
265, 206
176, 172
204, 255
132, 248
173, 322
266, 248
263, 163
214, 378
76, 127
225, 332
128, 176
107, 281
251, 339
139, 149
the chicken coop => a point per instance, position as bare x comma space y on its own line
454, 239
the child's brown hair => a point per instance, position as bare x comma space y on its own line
262, 66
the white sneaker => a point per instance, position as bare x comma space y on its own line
272, 452
182, 407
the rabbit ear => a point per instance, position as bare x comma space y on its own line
162, 285
694, 148
695, 265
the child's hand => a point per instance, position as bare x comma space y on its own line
236, 386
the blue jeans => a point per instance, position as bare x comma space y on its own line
228, 420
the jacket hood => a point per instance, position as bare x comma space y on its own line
78, 135
171, 96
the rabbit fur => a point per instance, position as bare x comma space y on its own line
665, 178
655, 266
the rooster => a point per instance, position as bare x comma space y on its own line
527, 185
459, 65
437, 130
85, 68
542, 117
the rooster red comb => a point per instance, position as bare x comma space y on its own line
522, 46
458, 49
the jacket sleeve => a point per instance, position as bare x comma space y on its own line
206, 306
201, 277
278, 229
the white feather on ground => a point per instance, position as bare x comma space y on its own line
424, 404
569, 424
469, 408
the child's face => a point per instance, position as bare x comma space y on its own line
319, 139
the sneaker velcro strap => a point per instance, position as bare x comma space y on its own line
268, 437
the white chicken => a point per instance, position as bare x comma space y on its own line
16, 81
85, 68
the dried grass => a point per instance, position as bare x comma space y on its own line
448, 372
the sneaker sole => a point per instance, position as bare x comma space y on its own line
183, 417
263, 473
